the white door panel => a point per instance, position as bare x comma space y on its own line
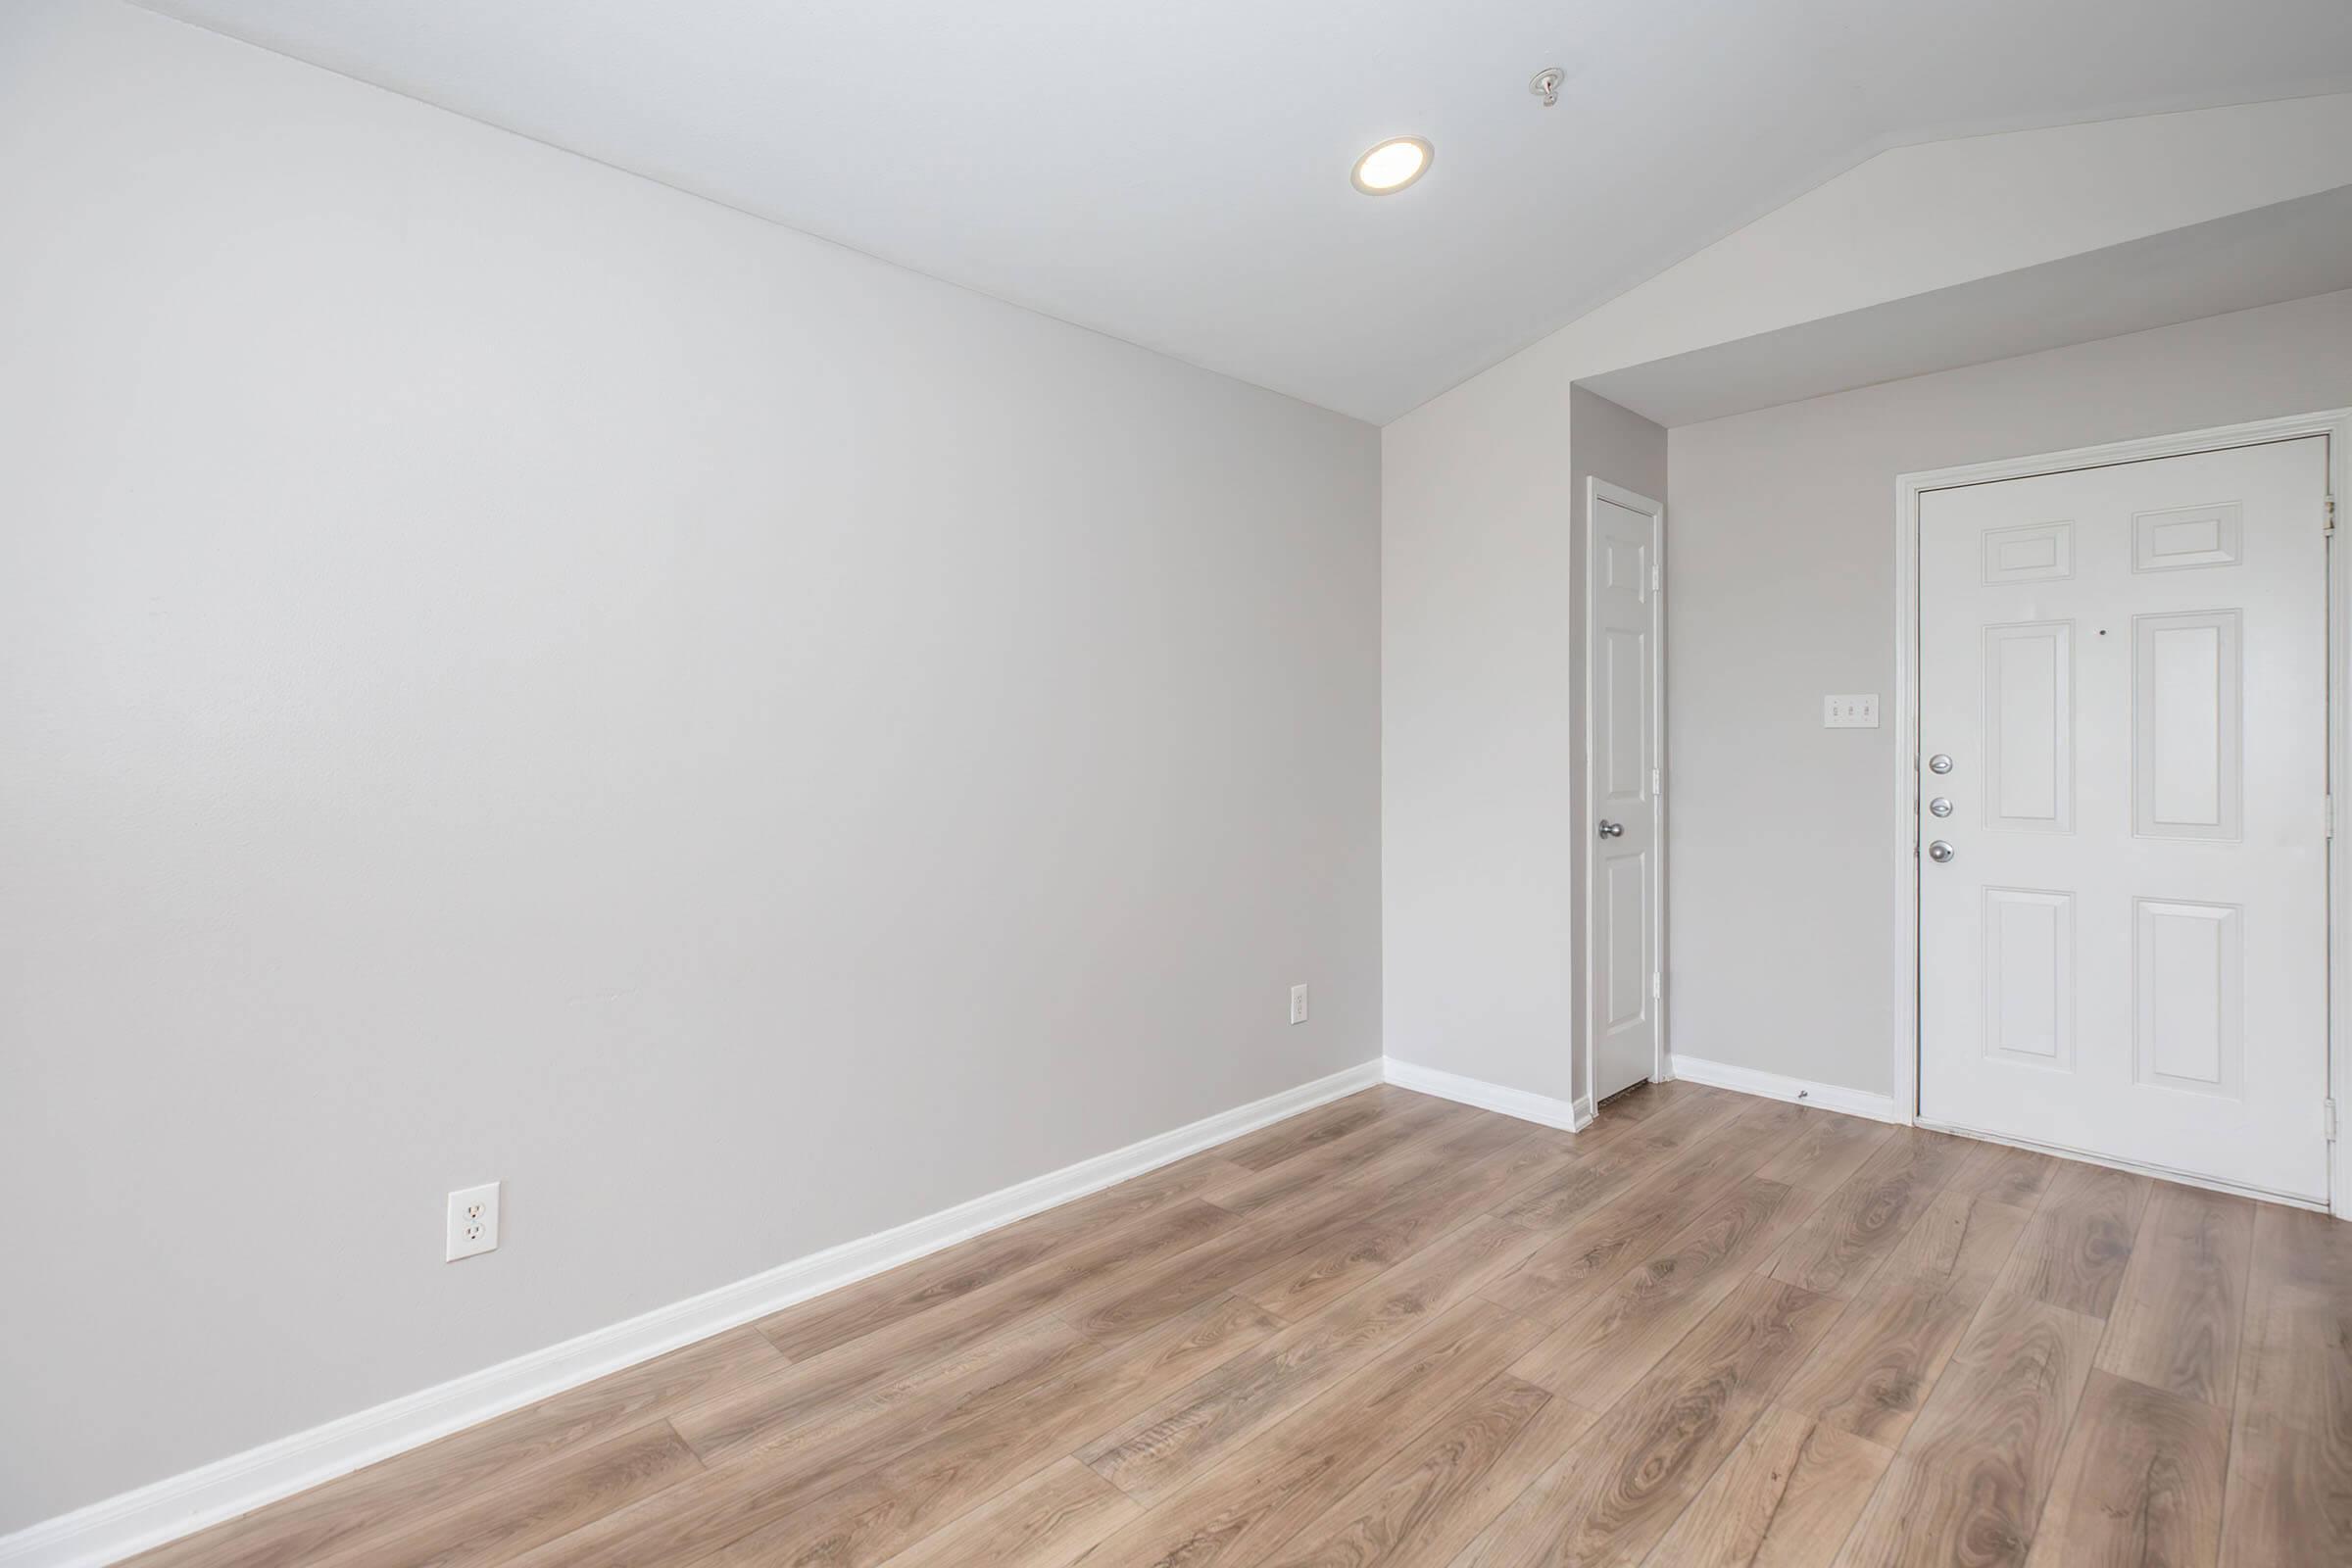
2126, 953
1622, 630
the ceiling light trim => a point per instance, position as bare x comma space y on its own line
1355, 175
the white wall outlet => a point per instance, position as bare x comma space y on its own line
1298, 1004
472, 1221
1856, 711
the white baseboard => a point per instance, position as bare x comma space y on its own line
1541, 1109
1773, 1085
117, 1528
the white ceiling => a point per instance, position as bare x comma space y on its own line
1174, 172
2285, 251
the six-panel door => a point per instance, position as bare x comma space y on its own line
1622, 1004
2126, 953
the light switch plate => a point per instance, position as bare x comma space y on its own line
1858, 711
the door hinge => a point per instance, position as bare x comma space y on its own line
1657, 782
2328, 525
1657, 574
1657, 989
2327, 817
2327, 1114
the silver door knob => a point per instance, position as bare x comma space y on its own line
1940, 764
1940, 806
1940, 852
1611, 830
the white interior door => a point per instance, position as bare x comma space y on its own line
2122, 891
1621, 884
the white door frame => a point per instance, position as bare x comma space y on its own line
2336, 425
1602, 490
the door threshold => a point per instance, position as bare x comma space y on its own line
2212, 1184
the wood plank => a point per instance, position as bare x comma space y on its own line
2019, 1178
2139, 1484
2180, 1311
2296, 1247
1599, 1248
1960, 1240
1857, 1225
2297, 1367
1443, 1186
2289, 1495
1788, 1495
2288, 1503
1970, 1480
1828, 1149
1619, 1487
371, 1504
1875, 1371
1238, 1513
1301, 1284
2011, 1387
918, 1491
933, 1481
1435, 1496
783, 1414
1294, 1136
827, 1387
2074, 1253
1603, 1351
1161, 1448
1608, 1167
1417, 1121
1051, 1520
873, 1304
492, 1524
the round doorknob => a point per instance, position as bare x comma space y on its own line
1611, 830
1940, 852
1940, 764
1940, 806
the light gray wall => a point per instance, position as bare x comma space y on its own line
1477, 744
1780, 583
510, 671
1482, 714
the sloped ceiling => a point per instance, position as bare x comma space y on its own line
1176, 174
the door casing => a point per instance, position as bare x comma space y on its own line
1588, 976
2336, 425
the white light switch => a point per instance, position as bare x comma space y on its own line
1854, 712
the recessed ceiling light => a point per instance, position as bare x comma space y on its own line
1392, 166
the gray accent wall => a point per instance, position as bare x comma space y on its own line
1781, 580
510, 671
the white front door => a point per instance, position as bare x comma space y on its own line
1621, 709
2123, 894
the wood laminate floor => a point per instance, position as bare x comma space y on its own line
1709, 1331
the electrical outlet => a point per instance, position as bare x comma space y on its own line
1861, 711
1298, 1004
472, 1222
